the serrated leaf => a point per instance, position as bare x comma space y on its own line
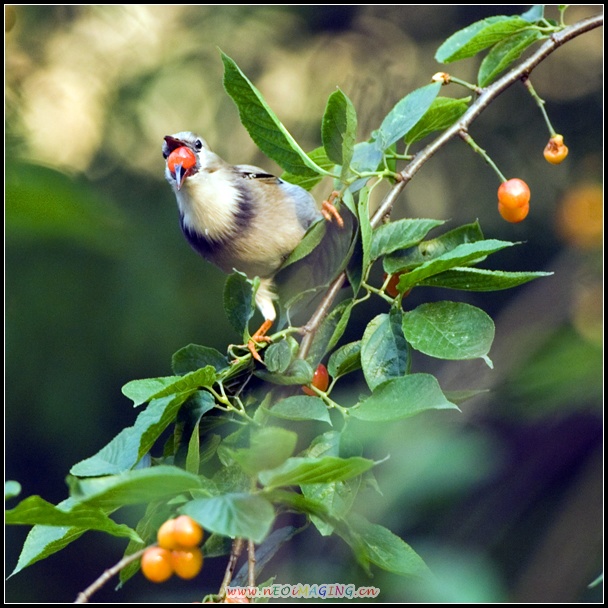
278, 357
337, 497
142, 391
366, 157
43, 541
365, 227
384, 351
400, 234
299, 372
37, 511
339, 129
406, 113
345, 360
478, 279
263, 126
269, 447
459, 256
297, 471
301, 407
376, 544
193, 455
193, 357
239, 301
400, 398
329, 332
432, 248
314, 235
450, 330
308, 182
127, 448
479, 36
504, 54
443, 113
11, 489
133, 487
234, 515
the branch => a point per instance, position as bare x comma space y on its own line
487, 96
84, 596
237, 547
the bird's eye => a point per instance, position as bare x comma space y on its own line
198, 144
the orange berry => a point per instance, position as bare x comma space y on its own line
391, 287
181, 156
187, 563
156, 564
513, 193
166, 535
555, 150
187, 532
514, 214
320, 380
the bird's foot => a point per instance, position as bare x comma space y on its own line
329, 211
259, 336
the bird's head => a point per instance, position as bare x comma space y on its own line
186, 154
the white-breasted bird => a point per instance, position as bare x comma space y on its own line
238, 216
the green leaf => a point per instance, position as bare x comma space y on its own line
406, 113
477, 279
432, 248
365, 227
234, 515
301, 407
450, 330
384, 351
11, 489
299, 372
443, 113
399, 234
270, 447
400, 398
133, 487
239, 301
308, 182
278, 357
193, 457
314, 235
479, 36
263, 126
193, 357
43, 541
330, 331
337, 497
462, 255
345, 360
376, 544
37, 511
128, 447
504, 54
339, 129
297, 471
366, 157
142, 391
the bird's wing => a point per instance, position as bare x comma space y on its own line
251, 172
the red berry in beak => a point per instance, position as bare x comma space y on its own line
181, 162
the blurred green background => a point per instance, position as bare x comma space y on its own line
503, 501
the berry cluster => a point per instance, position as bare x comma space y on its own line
177, 551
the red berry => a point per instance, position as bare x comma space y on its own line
513, 193
320, 380
187, 532
156, 564
182, 156
555, 150
391, 287
187, 562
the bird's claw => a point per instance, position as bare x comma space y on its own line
329, 211
259, 336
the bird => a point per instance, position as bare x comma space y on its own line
239, 217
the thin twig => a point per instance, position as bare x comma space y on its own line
251, 563
477, 107
84, 596
237, 547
